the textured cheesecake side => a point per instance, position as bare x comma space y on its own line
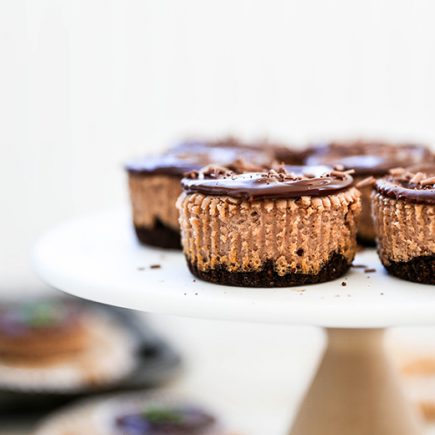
271, 242
155, 216
366, 229
368, 158
406, 237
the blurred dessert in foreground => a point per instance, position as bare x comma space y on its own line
404, 219
368, 158
268, 228
59, 345
158, 418
41, 332
137, 414
154, 184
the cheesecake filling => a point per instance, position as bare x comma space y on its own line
153, 199
296, 235
403, 206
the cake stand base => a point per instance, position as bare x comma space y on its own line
356, 390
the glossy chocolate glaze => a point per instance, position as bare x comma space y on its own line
368, 158
191, 156
288, 182
169, 164
19, 319
417, 185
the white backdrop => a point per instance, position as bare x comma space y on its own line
86, 83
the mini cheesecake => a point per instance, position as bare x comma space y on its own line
154, 184
134, 414
367, 159
40, 332
144, 414
404, 217
275, 228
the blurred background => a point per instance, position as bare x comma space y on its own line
85, 84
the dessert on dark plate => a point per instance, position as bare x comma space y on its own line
57, 346
56, 350
268, 228
404, 218
161, 419
368, 158
134, 414
154, 184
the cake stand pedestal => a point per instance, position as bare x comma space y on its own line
356, 390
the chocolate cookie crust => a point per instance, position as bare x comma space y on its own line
159, 235
336, 266
419, 269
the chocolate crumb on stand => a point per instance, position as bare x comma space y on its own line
404, 216
270, 228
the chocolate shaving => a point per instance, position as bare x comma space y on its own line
418, 177
215, 171
427, 181
397, 171
338, 174
369, 181
240, 166
193, 175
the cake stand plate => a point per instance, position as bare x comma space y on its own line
98, 258
355, 390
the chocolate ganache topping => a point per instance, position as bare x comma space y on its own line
368, 158
279, 183
415, 184
191, 156
20, 319
160, 420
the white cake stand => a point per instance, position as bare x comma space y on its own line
355, 391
